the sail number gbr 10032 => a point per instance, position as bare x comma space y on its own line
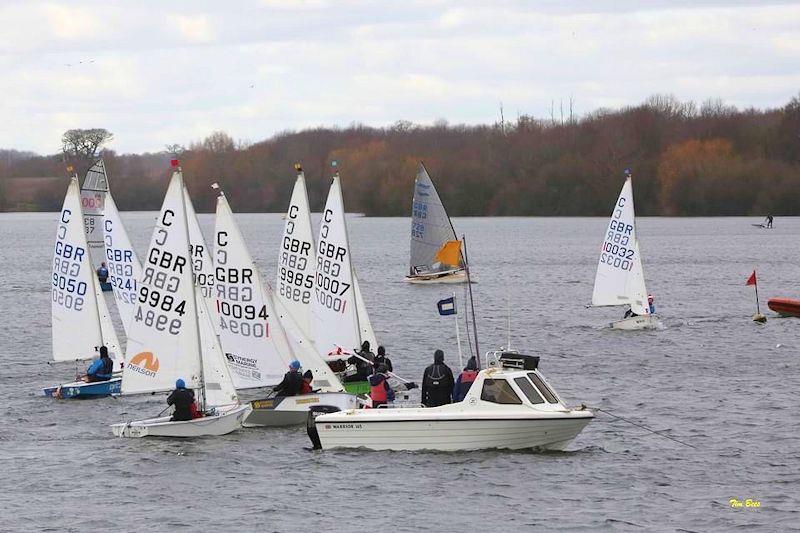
615, 251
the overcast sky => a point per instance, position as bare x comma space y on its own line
156, 72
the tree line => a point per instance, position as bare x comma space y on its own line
686, 159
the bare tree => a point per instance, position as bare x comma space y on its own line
84, 144
176, 150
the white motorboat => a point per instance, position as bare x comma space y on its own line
172, 335
620, 274
435, 253
509, 406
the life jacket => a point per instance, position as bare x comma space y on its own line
194, 411
468, 376
305, 388
108, 366
377, 392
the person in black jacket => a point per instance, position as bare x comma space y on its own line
183, 399
381, 359
292, 381
437, 382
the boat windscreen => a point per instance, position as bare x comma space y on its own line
529, 390
540, 384
499, 391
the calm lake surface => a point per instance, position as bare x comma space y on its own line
712, 378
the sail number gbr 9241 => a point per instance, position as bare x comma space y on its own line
161, 301
618, 250
330, 288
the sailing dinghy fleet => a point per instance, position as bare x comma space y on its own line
204, 315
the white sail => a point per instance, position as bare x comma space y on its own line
202, 266
218, 385
430, 226
257, 351
93, 197
334, 309
107, 330
163, 336
364, 323
124, 268
296, 259
620, 277
75, 320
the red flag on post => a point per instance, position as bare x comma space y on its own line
752, 279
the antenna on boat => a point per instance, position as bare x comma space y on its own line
471, 301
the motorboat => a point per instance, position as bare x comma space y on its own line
509, 406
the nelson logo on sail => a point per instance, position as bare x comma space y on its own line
144, 363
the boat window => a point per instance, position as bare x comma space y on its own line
529, 391
540, 384
499, 391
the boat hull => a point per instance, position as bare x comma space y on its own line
785, 306
461, 434
83, 390
636, 323
227, 420
293, 410
453, 276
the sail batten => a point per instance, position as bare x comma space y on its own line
620, 276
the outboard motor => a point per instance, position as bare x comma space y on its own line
311, 428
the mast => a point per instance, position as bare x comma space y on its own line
176, 164
471, 301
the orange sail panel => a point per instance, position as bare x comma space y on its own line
450, 253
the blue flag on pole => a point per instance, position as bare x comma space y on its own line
447, 306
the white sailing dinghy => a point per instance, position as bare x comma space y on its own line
124, 267
435, 251
172, 336
81, 323
257, 347
93, 196
620, 275
509, 406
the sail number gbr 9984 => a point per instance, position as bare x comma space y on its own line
159, 305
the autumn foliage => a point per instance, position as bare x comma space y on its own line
686, 159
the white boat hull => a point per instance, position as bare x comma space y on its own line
457, 434
293, 410
452, 276
637, 323
227, 420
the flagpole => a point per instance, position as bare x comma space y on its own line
758, 309
458, 335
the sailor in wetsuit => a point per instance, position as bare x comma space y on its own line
102, 369
292, 381
183, 400
102, 272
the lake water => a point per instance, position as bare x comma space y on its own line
712, 378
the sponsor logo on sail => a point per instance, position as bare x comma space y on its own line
241, 360
144, 363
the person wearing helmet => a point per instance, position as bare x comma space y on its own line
305, 386
465, 380
292, 381
382, 359
102, 369
379, 390
183, 400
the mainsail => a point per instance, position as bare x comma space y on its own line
255, 346
93, 197
80, 319
431, 229
620, 276
124, 268
296, 259
217, 382
334, 310
163, 337
202, 265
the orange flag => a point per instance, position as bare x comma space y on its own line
450, 253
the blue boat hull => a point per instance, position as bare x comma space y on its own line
80, 389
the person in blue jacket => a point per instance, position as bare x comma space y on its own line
651, 304
102, 369
102, 272
465, 380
